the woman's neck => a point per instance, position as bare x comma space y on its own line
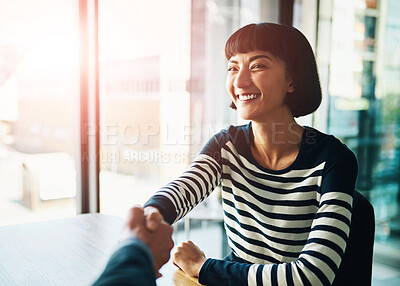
275, 144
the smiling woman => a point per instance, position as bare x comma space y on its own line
287, 189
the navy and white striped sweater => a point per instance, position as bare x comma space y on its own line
286, 227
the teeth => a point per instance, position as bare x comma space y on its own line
247, 96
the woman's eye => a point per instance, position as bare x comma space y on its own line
258, 66
232, 69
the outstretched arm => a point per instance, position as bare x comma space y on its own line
180, 196
131, 264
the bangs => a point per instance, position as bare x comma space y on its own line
265, 37
242, 41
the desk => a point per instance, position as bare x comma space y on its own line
68, 252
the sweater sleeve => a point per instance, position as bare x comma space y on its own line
321, 256
181, 195
130, 265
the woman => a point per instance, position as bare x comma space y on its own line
287, 189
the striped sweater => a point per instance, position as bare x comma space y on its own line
286, 227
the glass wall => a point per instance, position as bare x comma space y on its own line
162, 89
358, 56
39, 91
364, 100
144, 50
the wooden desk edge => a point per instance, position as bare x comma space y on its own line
182, 279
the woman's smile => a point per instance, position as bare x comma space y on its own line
247, 97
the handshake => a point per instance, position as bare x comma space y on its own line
148, 226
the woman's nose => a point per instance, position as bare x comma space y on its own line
243, 79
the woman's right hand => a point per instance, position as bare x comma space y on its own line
153, 218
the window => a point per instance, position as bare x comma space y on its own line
162, 90
357, 54
39, 89
364, 100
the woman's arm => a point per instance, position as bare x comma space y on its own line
181, 195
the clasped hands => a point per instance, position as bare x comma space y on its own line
148, 225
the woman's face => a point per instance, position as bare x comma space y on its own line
258, 83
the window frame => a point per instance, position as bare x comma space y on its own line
88, 165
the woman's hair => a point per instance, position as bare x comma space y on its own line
292, 47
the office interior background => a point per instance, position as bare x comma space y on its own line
102, 102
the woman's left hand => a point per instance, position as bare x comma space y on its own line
189, 258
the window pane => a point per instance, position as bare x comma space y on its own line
144, 68
364, 101
364, 107
39, 91
162, 89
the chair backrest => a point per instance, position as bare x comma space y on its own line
356, 266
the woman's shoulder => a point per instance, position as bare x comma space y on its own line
331, 147
236, 135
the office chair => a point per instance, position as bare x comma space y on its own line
356, 266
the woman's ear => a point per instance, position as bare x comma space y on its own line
290, 87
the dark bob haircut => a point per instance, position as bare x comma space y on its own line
292, 47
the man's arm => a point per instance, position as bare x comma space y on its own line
131, 264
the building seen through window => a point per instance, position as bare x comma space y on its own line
364, 100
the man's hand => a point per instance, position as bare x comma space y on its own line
159, 240
189, 258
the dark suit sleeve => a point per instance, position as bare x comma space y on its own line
131, 264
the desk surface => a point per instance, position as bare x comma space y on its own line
65, 252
